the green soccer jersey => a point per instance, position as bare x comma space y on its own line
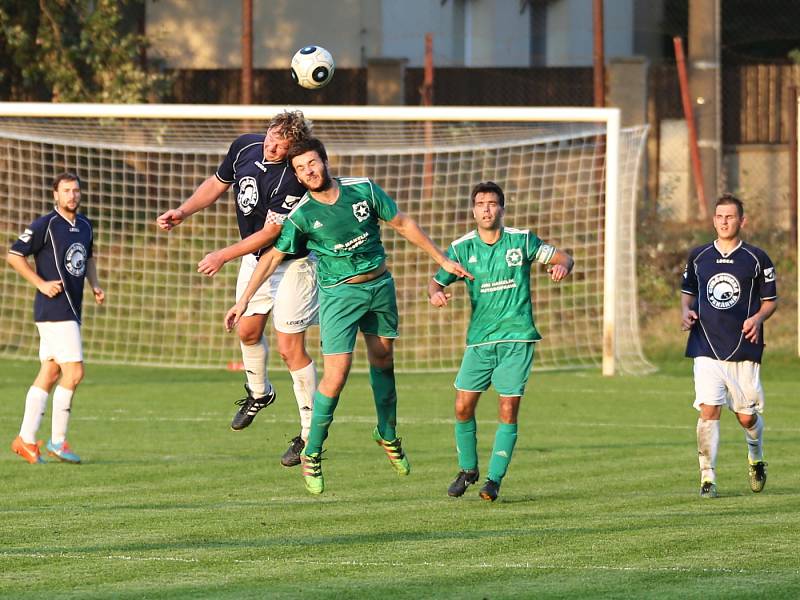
500, 294
345, 235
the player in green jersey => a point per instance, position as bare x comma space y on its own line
501, 331
339, 220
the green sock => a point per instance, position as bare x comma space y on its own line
385, 394
321, 419
467, 444
504, 441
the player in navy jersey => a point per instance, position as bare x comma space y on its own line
266, 190
728, 292
61, 244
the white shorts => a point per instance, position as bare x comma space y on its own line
60, 341
290, 293
734, 384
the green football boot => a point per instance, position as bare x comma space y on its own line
312, 472
394, 450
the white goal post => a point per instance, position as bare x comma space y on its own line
570, 175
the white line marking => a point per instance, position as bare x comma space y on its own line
223, 419
436, 565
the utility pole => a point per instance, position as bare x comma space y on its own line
598, 54
247, 51
704, 78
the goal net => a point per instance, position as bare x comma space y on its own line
569, 175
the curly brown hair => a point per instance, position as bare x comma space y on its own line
292, 124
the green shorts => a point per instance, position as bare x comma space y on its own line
346, 308
506, 365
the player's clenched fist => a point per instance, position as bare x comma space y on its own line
439, 299
688, 319
51, 289
557, 272
170, 219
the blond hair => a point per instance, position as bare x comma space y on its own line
292, 125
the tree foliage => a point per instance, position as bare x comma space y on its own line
75, 51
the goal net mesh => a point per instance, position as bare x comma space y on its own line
160, 311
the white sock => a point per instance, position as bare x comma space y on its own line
255, 359
62, 402
305, 384
35, 405
755, 440
707, 446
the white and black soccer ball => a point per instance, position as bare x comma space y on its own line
312, 67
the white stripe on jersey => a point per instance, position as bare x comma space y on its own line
515, 230
57, 263
233, 163
353, 180
348, 181
467, 236
755, 258
88, 224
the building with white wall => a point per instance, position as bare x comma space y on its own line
206, 34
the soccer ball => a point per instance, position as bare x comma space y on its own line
312, 67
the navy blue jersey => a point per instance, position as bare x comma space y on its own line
60, 249
728, 289
265, 191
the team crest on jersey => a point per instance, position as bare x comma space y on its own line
723, 291
769, 274
248, 195
361, 211
75, 259
514, 257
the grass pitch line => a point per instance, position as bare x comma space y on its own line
74, 556
370, 420
394, 564
366, 420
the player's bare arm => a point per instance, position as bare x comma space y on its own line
436, 294
20, 264
560, 265
94, 281
752, 326
688, 314
408, 228
266, 266
214, 261
205, 195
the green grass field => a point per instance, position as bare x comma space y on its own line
600, 501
